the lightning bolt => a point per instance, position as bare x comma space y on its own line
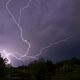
21, 34
4, 55
20, 28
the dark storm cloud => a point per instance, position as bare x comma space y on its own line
43, 22
63, 51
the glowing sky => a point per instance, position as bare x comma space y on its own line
44, 22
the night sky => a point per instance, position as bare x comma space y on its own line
43, 22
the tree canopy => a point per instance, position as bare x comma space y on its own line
42, 70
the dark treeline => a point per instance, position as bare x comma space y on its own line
42, 70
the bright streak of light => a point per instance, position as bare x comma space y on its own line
5, 55
20, 28
21, 34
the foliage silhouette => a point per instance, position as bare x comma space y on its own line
42, 70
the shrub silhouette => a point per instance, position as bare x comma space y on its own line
2, 68
42, 70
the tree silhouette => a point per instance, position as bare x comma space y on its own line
2, 66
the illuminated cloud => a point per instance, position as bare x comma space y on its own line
44, 22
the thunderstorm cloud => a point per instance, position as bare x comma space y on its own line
43, 22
